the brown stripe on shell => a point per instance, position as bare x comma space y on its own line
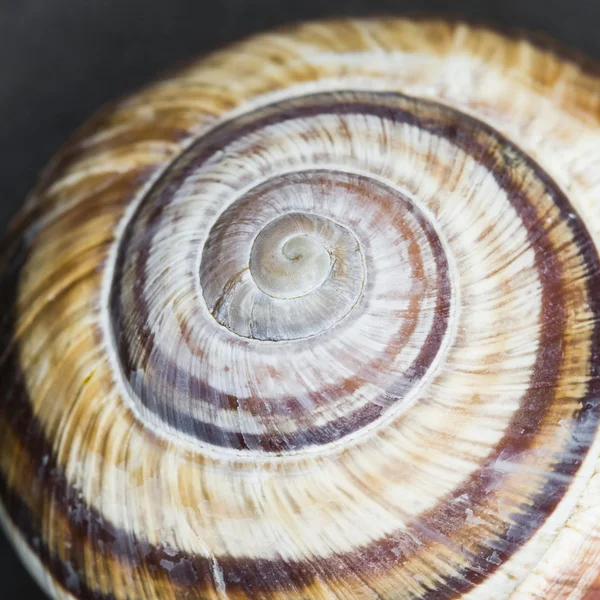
156, 361
18, 417
448, 123
87, 526
530, 416
443, 519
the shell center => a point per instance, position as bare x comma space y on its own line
289, 265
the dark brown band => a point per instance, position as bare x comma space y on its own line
87, 528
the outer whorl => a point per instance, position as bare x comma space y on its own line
316, 317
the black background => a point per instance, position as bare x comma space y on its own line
60, 60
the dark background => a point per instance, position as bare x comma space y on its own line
60, 60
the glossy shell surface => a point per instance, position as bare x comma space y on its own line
315, 317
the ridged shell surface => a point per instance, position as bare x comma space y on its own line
316, 317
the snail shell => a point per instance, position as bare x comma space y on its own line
316, 317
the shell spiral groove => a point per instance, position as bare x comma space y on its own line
316, 317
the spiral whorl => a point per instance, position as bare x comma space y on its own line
298, 276
339, 274
317, 317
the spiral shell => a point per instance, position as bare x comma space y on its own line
316, 317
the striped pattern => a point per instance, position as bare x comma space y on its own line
317, 317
